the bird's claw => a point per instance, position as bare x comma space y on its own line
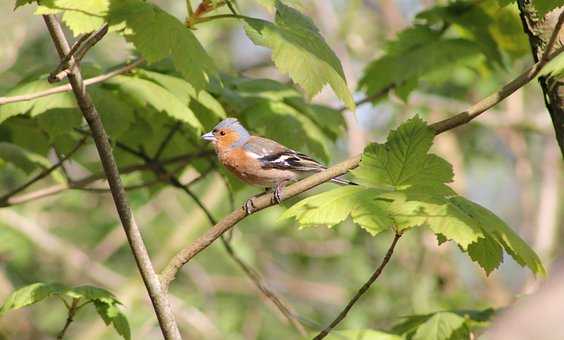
277, 195
249, 206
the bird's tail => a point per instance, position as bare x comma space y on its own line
340, 180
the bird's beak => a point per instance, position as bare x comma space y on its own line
209, 137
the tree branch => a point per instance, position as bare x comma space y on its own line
76, 53
183, 256
5, 198
362, 289
158, 296
66, 88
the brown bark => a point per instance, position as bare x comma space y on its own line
539, 29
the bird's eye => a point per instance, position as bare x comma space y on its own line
222, 133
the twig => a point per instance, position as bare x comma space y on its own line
64, 63
158, 296
166, 141
371, 97
65, 88
77, 52
231, 7
83, 183
4, 199
265, 201
258, 282
362, 289
72, 309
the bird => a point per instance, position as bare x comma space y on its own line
261, 161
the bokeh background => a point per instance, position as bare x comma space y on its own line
506, 160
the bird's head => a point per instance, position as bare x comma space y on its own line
228, 133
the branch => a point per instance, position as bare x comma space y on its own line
66, 88
158, 296
5, 198
77, 52
183, 256
362, 289
72, 308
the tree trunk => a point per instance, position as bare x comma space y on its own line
539, 30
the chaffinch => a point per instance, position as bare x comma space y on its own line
260, 161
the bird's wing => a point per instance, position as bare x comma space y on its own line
273, 155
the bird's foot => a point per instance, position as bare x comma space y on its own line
278, 193
249, 206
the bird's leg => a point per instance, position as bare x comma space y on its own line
278, 192
249, 205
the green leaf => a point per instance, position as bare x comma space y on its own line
37, 106
299, 50
80, 16
111, 314
495, 228
361, 334
57, 122
470, 20
185, 92
436, 212
271, 4
91, 293
105, 302
417, 52
29, 295
545, 6
403, 159
333, 207
440, 326
158, 35
21, 158
147, 92
117, 114
443, 323
486, 252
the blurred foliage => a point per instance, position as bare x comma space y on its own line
451, 54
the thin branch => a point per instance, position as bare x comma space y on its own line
362, 289
189, 8
231, 7
158, 296
166, 141
66, 88
368, 99
83, 183
64, 63
258, 282
5, 198
77, 52
184, 255
72, 309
